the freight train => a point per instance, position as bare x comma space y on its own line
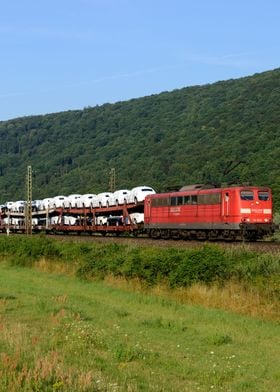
194, 212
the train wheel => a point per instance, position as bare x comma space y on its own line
201, 235
213, 235
155, 233
175, 234
250, 236
232, 235
229, 235
165, 234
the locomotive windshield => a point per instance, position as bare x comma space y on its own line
247, 195
263, 195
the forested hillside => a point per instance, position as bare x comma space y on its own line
192, 135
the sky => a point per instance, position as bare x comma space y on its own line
59, 55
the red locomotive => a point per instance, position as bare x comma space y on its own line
232, 213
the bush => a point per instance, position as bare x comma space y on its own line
206, 264
21, 250
176, 267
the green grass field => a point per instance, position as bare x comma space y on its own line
60, 333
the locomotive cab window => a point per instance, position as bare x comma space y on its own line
263, 195
247, 195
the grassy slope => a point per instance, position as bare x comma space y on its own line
59, 333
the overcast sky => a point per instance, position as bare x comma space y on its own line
59, 55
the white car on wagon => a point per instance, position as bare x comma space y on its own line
75, 201
139, 193
18, 206
36, 205
45, 205
59, 202
119, 197
137, 217
101, 220
88, 200
102, 199
9, 205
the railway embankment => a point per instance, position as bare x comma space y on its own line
236, 278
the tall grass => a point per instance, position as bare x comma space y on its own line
211, 266
59, 333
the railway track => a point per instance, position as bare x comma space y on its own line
260, 246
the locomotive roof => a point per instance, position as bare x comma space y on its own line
194, 189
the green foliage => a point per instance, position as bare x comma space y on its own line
176, 267
226, 123
206, 264
24, 251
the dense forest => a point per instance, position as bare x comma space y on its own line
226, 132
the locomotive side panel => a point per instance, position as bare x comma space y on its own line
185, 210
209, 207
